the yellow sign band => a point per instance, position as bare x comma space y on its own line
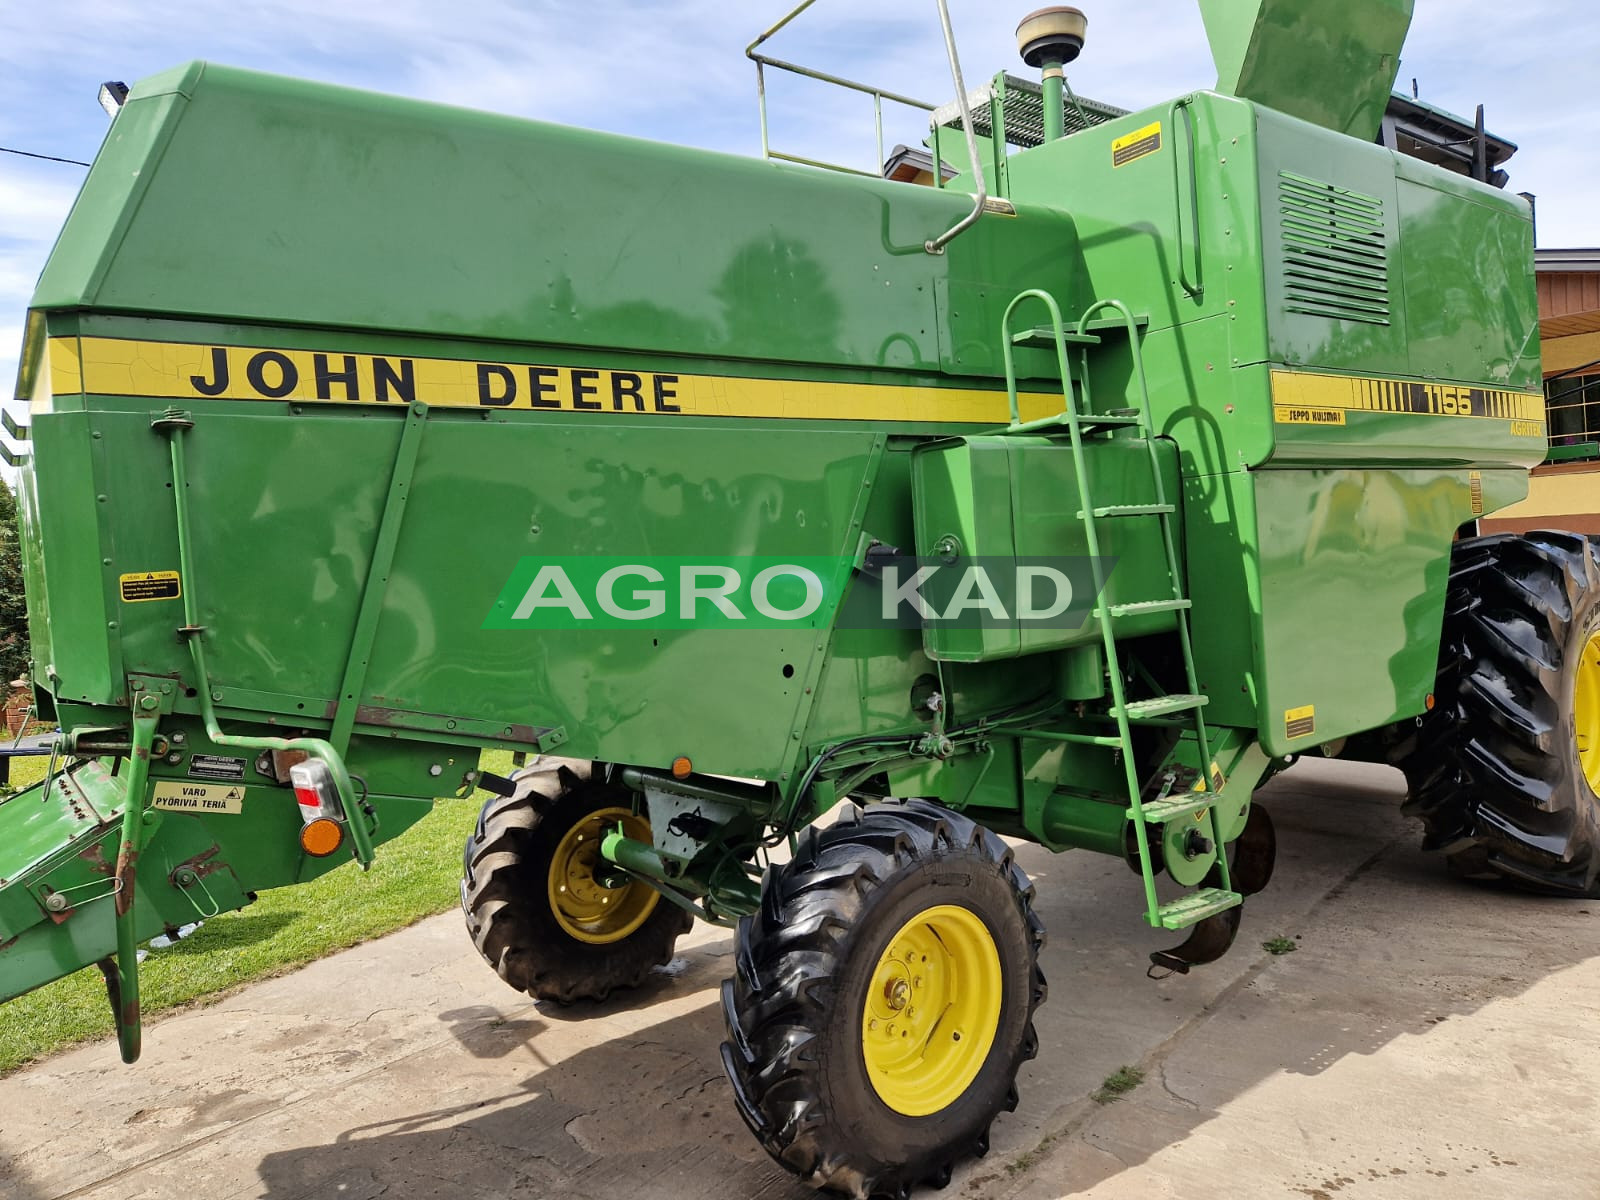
186, 371
196, 371
1296, 393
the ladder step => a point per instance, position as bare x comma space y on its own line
1197, 906
1174, 808
1134, 510
1044, 338
1117, 325
1146, 607
1161, 706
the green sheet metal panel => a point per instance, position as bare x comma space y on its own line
1187, 207
1294, 56
1472, 306
1224, 583
1265, 336
1351, 593
287, 507
1330, 234
1006, 498
402, 216
73, 622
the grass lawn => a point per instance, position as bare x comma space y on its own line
415, 876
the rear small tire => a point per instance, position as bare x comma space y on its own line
839, 951
513, 868
1504, 772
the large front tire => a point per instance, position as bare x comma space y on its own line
884, 999
1505, 771
535, 906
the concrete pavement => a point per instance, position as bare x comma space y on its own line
1427, 1039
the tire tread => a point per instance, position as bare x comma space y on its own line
1487, 769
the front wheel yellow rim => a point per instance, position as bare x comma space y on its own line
1586, 712
932, 1010
583, 907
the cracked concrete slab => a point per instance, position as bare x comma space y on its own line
1426, 1039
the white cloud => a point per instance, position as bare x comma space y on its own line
34, 200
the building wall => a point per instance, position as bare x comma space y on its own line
1566, 494
1563, 354
1560, 496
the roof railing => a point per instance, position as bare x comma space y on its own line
879, 95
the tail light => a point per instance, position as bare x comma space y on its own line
321, 815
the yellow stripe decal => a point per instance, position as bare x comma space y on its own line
184, 371
1295, 393
196, 371
62, 374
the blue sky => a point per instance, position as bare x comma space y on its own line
675, 71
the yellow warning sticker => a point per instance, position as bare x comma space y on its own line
1300, 722
1475, 483
149, 585
1284, 414
1136, 145
173, 796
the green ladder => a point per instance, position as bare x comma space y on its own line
1206, 902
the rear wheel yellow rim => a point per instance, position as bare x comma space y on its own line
583, 907
932, 1010
1586, 712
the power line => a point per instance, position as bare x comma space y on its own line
47, 157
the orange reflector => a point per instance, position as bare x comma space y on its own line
321, 837
1429, 702
681, 767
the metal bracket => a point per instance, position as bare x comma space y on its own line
20, 433
682, 826
55, 902
185, 878
135, 832
372, 596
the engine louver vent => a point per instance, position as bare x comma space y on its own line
1335, 251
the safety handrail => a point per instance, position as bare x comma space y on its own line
879, 95
937, 245
1193, 285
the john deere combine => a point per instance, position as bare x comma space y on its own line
1065, 501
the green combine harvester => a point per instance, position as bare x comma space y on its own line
1065, 500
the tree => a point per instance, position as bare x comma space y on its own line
13, 602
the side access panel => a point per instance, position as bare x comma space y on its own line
1353, 569
1005, 499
